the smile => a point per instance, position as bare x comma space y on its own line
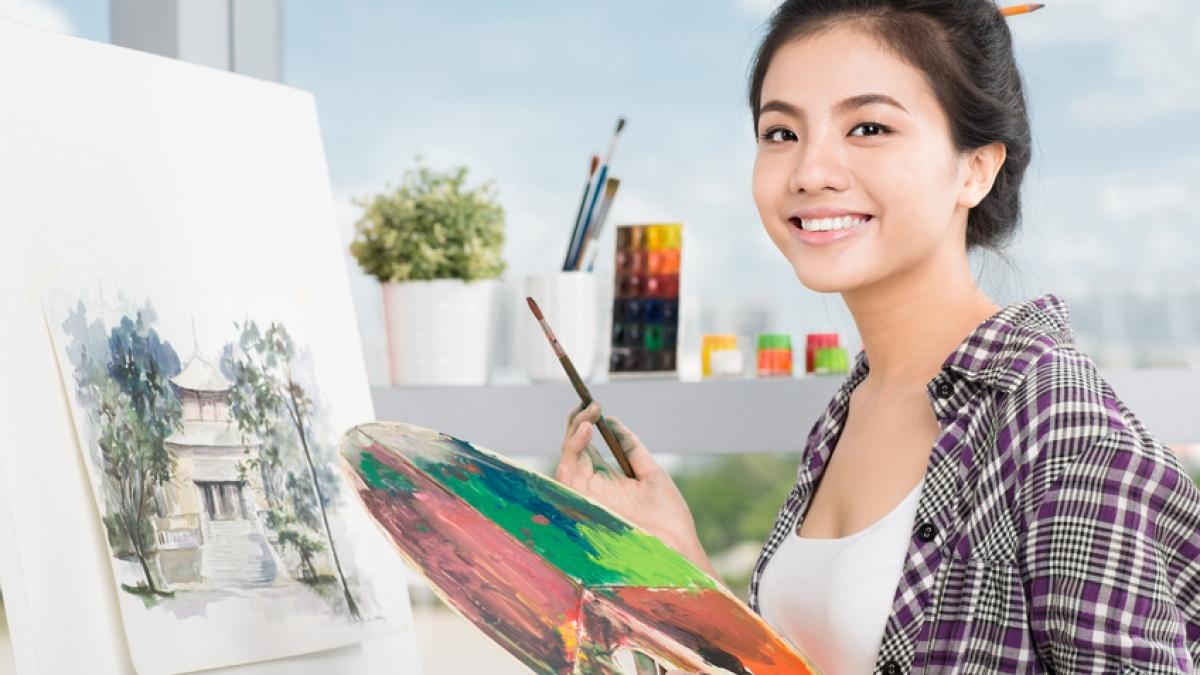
848, 228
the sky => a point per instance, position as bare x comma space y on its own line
522, 93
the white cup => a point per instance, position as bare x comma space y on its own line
569, 304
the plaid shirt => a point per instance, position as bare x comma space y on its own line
1053, 534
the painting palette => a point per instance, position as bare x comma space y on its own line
560, 582
645, 313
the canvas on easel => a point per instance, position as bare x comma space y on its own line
180, 357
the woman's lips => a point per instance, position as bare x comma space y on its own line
828, 236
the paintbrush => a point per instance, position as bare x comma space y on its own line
610, 192
609, 437
612, 147
587, 187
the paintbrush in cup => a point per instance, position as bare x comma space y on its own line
587, 187
593, 233
573, 259
573, 375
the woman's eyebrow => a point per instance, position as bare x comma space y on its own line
845, 106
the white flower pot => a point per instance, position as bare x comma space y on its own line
439, 331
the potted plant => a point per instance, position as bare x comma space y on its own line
435, 246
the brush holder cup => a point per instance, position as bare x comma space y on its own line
568, 301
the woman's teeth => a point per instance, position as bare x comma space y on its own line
825, 224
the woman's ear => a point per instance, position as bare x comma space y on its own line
983, 164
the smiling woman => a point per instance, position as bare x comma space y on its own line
941, 532
967, 497
862, 102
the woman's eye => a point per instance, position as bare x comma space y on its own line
875, 125
769, 134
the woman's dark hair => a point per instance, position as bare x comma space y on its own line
964, 48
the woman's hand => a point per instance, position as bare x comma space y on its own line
651, 501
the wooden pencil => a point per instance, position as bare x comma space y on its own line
1013, 10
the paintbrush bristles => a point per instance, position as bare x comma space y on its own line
534, 306
612, 146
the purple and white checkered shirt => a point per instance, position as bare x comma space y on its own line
1054, 532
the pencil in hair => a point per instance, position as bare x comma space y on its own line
1013, 10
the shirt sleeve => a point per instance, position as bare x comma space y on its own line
1111, 562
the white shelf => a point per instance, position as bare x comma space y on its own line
671, 417
714, 416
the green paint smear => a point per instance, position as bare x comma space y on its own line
380, 476
644, 560
595, 550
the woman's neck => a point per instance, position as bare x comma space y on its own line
909, 329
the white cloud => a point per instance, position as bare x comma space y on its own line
37, 14
1153, 54
1129, 226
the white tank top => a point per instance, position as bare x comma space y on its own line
832, 597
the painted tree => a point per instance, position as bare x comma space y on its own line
126, 386
266, 393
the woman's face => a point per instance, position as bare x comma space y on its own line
892, 162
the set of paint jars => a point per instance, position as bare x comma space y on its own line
774, 355
823, 355
720, 356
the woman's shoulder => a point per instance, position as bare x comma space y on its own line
1048, 391
1062, 418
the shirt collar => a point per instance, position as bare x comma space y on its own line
1000, 349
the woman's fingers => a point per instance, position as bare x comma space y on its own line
571, 416
584, 412
581, 414
575, 466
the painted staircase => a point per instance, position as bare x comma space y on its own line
235, 555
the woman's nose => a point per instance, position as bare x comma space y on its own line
819, 164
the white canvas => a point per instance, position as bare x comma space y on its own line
205, 193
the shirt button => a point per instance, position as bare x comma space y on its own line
944, 389
891, 668
927, 532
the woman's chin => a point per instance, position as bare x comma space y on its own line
819, 282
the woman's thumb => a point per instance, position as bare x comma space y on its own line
639, 457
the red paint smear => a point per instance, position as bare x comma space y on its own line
541, 520
505, 589
677, 624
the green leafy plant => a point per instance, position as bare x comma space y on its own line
431, 227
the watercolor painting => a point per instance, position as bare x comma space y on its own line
563, 584
215, 470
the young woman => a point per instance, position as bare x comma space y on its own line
975, 497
